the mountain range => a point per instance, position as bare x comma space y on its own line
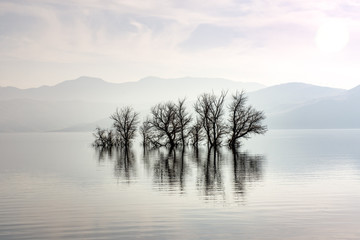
84, 103
150, 88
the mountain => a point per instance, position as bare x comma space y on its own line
77, 105
28, 115
338, 111
83, 89
284, 106
191, 87
151, 88
84, 103
288, 96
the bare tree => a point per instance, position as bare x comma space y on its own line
202, 107
210, 109
166, 124
103, 138
184, 119
125, 123
196, 133
100, 137
243, 120
146, 133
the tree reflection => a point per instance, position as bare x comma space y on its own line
103, 153
209, 178
247, 169
125, 164
170, 170
213, 174
124, 161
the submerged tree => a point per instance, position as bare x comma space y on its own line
243, 120
184, 119
170, 124
165, 123
103, 138
125, 124
145, 131
196, 133
210, 109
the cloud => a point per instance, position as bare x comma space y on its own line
236, 39
207, 36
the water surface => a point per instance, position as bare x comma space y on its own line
288, 184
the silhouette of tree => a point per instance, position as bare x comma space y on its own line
243, 120
170, 124
165, 123
184, 119
145, 131
103, 138
125, 124
210, 109
196, 133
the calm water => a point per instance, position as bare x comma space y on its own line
298, 184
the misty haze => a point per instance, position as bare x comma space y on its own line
179, 120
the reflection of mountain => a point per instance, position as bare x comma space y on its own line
188, 171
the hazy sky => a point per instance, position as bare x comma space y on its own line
43, 42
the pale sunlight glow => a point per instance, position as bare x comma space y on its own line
332, 36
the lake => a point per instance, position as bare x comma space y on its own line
287, 184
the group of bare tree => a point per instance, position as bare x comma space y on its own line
170, 124
210, 110
123, 132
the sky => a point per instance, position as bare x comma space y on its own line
44, 42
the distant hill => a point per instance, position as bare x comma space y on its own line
78, 105
27, 115
338, 111
148, 89
299, 105
283, 97
84, 103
